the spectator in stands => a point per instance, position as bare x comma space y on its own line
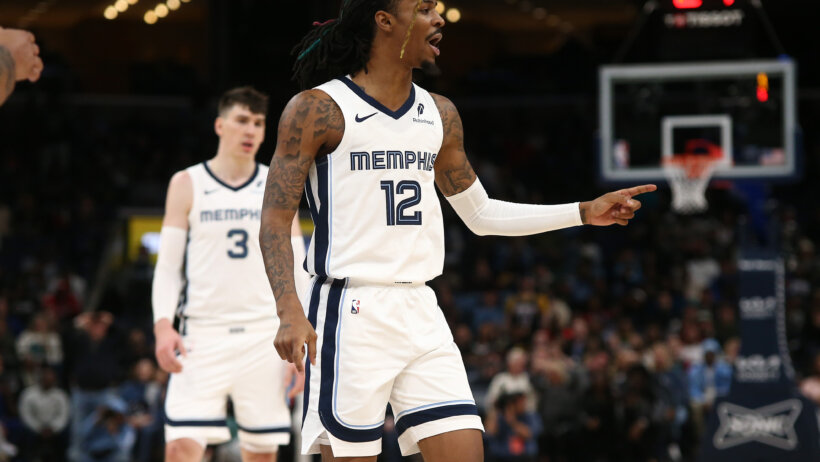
137, 347
8, 349
488, 310
524, 309
672, 409
143, 397
44, 409
95, 372
7, 450
559, 388
106, 435
636, 428
40, 344
726, 325
61, 302
10, 425
692, 349
707, 381
597, 419
512, 430
514, 380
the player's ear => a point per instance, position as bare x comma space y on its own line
384, 21
218, 125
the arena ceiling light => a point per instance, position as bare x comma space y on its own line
110, 12
162, 10
118, 7
453, 15
150, 17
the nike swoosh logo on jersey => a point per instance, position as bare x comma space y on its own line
362, 119
211, 191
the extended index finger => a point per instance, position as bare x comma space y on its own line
635, 190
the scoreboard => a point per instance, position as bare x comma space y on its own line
689, 30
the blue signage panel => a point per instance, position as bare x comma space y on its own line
764, 417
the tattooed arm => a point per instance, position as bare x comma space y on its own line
458, 182
454, 173
19, 60
311, 125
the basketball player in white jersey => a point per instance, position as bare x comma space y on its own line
209, 253
368, 147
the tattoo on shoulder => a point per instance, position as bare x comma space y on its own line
459, 176
7, 72
329, 121
289, 165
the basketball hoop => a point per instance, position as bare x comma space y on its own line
688, 176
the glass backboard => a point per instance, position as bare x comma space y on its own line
741, 112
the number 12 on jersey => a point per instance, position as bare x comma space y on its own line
398, 214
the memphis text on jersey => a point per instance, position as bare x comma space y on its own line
230, 215
392, 160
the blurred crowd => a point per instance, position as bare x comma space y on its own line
597, 345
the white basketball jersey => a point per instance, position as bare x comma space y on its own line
225, 273
373, 200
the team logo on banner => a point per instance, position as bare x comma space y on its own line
772, 425
758, 307
758, 368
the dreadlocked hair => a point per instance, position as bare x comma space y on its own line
340, 46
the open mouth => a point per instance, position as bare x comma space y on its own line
247, 145
434, 41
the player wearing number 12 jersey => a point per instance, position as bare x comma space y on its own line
210, 267
370, 147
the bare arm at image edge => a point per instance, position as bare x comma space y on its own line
19, 60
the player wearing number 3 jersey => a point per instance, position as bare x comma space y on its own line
210, 274
369, 148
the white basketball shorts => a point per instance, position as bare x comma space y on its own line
237, 362
380, 345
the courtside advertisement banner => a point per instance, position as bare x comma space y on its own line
764, 418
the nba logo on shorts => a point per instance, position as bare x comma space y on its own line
354, 307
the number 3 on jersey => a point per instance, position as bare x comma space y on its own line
396, 213
241, 243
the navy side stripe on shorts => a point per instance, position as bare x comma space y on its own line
326, 415
313, 310
196, 423
436, 413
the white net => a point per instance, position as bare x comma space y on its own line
688, 177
